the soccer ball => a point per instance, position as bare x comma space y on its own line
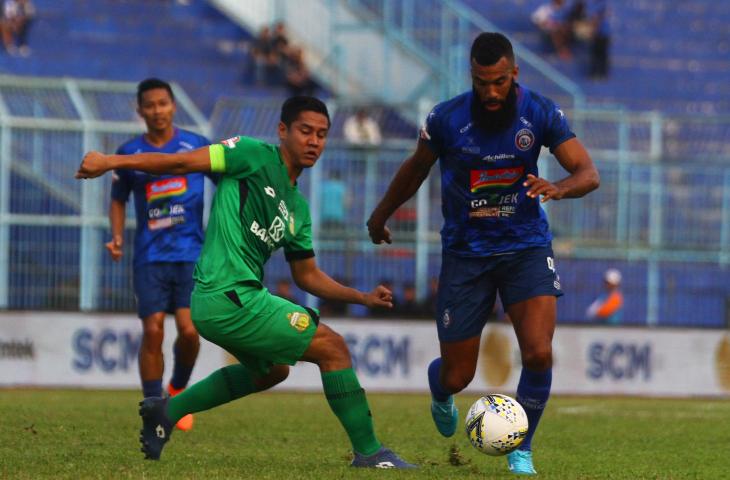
496, 424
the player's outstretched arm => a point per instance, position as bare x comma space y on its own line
311, 279
583, 176
95, 164
404, 185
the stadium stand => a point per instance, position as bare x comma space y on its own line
199, 48
653, 67
191, 44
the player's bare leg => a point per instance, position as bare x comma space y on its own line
187, 346
450, 374
151, 362
534, 324
347, 400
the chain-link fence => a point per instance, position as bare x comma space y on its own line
662, 214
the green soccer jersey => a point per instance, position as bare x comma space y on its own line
255, 211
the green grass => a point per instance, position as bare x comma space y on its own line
93, 434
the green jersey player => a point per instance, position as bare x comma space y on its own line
257, 209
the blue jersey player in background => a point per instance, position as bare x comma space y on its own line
495, 236
167, 242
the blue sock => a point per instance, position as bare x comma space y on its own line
180, 371
152, 388
533, 392
437, 390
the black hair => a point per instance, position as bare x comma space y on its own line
489, 47
293, 106
151, 84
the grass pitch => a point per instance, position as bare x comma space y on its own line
93, 434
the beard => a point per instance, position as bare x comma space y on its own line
492, 121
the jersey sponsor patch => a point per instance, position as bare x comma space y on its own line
524, 139
169, 187
491, 212
497, 178
231, 142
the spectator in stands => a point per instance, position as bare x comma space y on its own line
284, 290
361, 129
433, 289
17, 17
607, 308
280, 40
266, 59
296, 73
167, 242
334, 201
552, 20
600, 37
410, 307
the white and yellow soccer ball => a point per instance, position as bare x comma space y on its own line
496, 424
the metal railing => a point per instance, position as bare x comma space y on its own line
52, 227
661, 214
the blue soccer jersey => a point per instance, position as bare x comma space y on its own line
169, 208
484, 203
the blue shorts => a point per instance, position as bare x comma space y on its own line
468, 287
163, 287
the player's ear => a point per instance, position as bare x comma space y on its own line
515, 71
283, 130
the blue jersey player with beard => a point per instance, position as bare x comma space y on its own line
495, 236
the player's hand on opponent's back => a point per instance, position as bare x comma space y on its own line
378, 232
93, 165
540, 186
115, 248
380, 297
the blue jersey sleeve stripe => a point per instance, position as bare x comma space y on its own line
217, 158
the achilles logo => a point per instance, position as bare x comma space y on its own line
385, 465
160, 431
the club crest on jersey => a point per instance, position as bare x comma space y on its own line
291, 223
524, 139
231, 142
446, 318
298, 320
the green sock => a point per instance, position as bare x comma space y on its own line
221, 386
347, 400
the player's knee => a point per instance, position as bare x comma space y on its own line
457, 381
538, 359
152, 338
279, 373
338, 347
336, 354
189, 336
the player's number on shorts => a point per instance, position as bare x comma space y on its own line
551, 264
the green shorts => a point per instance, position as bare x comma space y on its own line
256, 327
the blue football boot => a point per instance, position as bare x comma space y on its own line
445, 416
383, 458
156, 428
520, 462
